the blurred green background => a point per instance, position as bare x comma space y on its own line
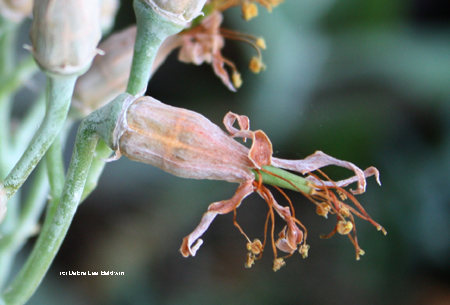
364, 81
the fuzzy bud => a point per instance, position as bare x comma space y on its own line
65, 34
178, 11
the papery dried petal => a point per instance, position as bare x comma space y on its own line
181, 142
221, 207
319, 160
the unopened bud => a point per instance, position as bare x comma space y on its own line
65, 34
178, 11
108, 75
16, 10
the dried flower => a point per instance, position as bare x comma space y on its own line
188, 145
65, 34
203, 44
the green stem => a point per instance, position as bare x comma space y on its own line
98, 164
33, 205
21, 73
56, 226
56, 175
8, 33
152, 30
59, 94
297, 183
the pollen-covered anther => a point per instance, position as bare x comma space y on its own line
260, 42
256, 65
303, 250
323, 209
278, 263
342, 195
345, 212
236, 79
250, 260
344, 227
249, 10
255, 247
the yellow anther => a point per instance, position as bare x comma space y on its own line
260, 42
249, 10
236, 79
250, 260
303, 250
256, 65
344, 227
278, 263
322, 209
255, 247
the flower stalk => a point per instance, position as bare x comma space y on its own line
152, 30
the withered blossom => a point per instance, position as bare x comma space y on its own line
204, 42
187, 144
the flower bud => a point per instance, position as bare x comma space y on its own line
16, 10
108, 75
178, 11
65, 34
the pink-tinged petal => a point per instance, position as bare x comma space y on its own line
371, 171
319, 160
291, 235
219, 70
261, 151
243, 121
191, 243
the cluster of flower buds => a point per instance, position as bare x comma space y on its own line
186, 144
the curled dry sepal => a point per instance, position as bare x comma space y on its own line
187, 144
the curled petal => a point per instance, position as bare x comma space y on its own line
319, 160
371, 171
222, 207
218, 66
261, 150
291, 235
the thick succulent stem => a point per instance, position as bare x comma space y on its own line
59, 94
57, 223
152, 30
